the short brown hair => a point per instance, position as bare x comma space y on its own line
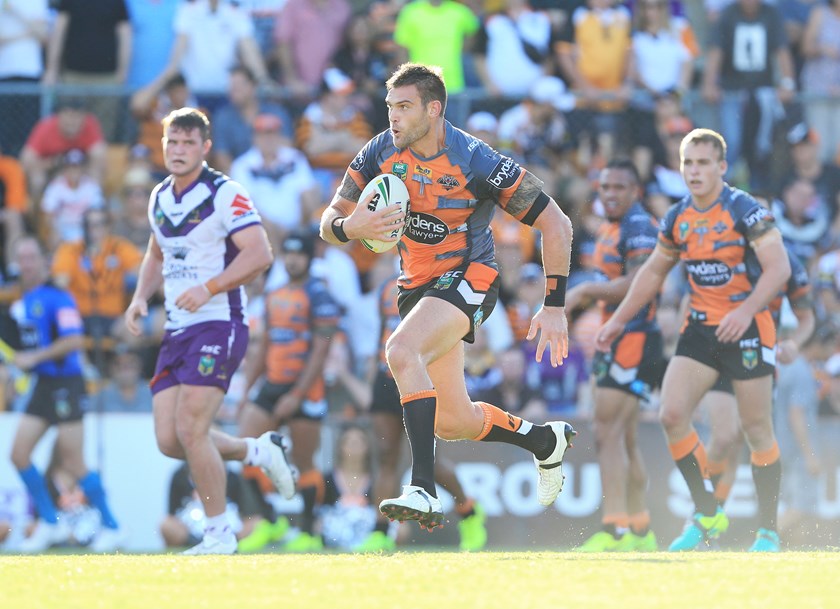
704, 136
187, 119
427, 79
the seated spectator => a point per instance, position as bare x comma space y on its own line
71, 127
484, 126
127, 390
184, 522
212, 37
13, 206
131, 216
278, 178
233, 122
99, 271
510, 390
307, 34
331, 132
821, 75
512, 49
803, 220
70, 194
150, 105
562, 387
805, 164
528, 298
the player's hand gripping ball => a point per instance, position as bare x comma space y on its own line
388, 189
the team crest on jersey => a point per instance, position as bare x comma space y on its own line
448, 182
206, 365
400, 170
720, 227
194, 217
749, 358
683, 230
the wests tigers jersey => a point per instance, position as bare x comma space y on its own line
714, 245
453, 195
619, 241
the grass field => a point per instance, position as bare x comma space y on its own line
423, 580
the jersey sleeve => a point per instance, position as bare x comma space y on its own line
511, 186
68, 321
236, 207
325, 310
666, 228
751, 218
798, 289
638, 236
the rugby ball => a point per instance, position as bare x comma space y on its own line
387, 189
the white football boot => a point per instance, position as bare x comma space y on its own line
551, 468
414, 504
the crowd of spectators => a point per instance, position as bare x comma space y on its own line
294, 88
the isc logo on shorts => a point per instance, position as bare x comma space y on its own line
444, 282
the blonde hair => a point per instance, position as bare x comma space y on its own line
704, 136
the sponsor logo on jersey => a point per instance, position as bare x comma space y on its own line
206, 365
241, 206
423, 171
708, 273
504, 174
400, 170
68, 318
756, 216
359, 161
448, 182
426, 229
180, 253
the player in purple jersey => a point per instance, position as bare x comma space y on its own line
207, 242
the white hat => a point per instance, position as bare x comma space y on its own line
482, 121
832, 365
552, 90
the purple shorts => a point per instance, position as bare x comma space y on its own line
205, 354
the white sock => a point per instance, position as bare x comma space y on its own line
254, 455
218, 526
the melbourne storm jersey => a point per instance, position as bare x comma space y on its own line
714, 245
193, 230
453, 195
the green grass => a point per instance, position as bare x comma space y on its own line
424, 580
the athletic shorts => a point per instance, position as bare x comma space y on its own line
58, 399
753, 356
633, 365
206, 354
269, 393
386, 396
724, 385
473, 288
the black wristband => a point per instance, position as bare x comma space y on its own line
555, 290
338, 230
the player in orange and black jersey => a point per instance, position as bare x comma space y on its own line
386, 415
449, 282
301, 318
726, 441
718, 232
630, 370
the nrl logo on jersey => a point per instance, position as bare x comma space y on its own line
448, 182
160, 217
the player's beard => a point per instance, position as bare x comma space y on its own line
412, 135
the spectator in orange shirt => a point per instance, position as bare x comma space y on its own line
70, 127
97, 271
13, 203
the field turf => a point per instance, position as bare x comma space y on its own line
424, 580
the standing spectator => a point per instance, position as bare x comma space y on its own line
13, 206
70, 194
51, 339
152, 39
666, 185
98, 270
804, 223
437, 32
821, 75
126, 391
71, 127
279, 179
212, 36
233, 122
307, 34
331, 131
23, 35
150, 104
512, 49
747, 46
90, 44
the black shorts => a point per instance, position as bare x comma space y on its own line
723, 384
386, 396
753, 356
269, 393
633, 365
473, 288
58, 399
